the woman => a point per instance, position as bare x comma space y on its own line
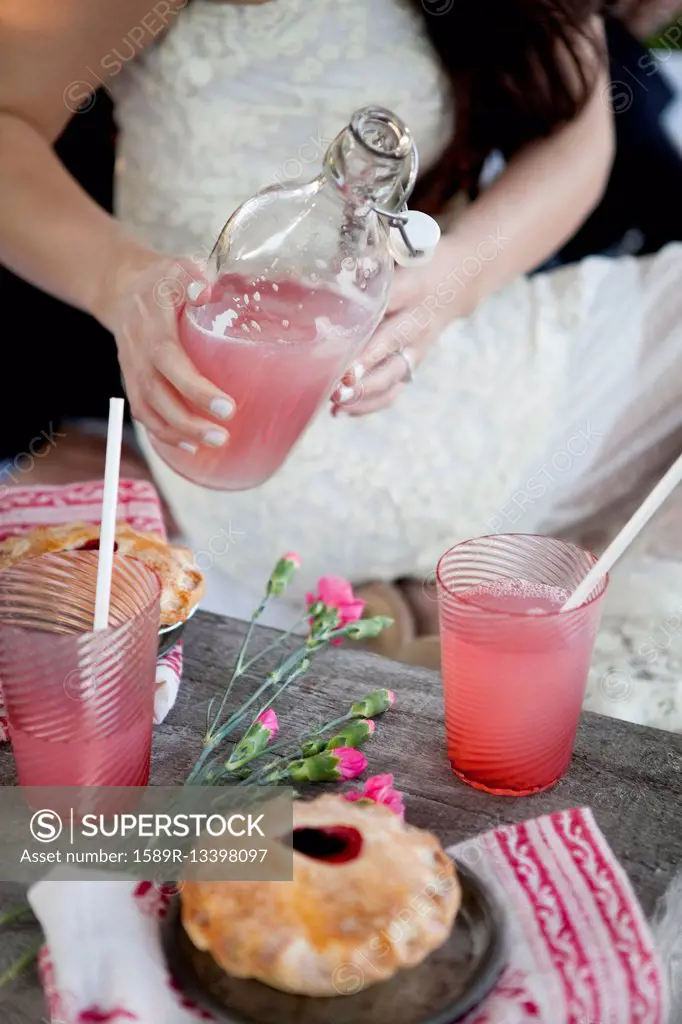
524, 389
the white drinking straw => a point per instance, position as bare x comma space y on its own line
665, 486
105, 562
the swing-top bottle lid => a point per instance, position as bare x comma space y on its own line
382, 133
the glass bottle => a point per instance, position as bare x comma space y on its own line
302, 277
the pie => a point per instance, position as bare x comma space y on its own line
369, 893
182, 584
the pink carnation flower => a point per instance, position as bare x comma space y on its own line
268, 719
351, 763
379, 789
292, 557
335, 592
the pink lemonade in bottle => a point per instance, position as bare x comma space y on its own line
278, 347
302, 277
514, 673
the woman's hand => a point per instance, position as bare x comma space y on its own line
165, 391
423, 301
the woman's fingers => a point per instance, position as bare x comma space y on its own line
172, 283
385, 343
385, 377
170, 409
161, 431
174, 364
166, 392
395, 333
366, 405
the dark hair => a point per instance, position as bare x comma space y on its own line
509, 84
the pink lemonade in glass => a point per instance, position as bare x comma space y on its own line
80, 704
277, 347
514, 665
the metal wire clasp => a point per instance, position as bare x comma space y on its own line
398, 218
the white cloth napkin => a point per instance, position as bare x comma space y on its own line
23, 508
580, 949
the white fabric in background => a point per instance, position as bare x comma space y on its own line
557, 402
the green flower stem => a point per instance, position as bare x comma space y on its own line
311, 734
289, 665
293, 667
239, 666
276, 643
301, 670
18, 914
332, 725
295, 664
270, 773
19, 966
296, 674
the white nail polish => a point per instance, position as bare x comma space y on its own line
345, 394
215, 438
222, 408
187, 447
195, 289
359, 371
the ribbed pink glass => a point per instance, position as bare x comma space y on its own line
514, 680
80, 704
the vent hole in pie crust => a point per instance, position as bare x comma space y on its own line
93, 545
334, 844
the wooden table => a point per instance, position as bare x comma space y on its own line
629, 775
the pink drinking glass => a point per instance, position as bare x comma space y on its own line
80, 703
514, 681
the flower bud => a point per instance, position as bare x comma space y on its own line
365, 629
311, 747
255, 739
283, 574
329, 766
373, 704
353, 734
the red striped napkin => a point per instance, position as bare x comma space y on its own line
582, 951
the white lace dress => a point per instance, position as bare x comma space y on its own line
554, 401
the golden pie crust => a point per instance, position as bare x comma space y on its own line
182, 585
387, 909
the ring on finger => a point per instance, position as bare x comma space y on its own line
408, 358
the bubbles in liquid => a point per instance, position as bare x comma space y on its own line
275, 286
256, 296
245, 328
246, 299
520, 596
285, 323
